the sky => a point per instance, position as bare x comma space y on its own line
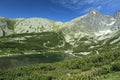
59, 10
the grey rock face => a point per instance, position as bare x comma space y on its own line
2, 27
4, 31
34, 25
117, 23
1, 32
96, 22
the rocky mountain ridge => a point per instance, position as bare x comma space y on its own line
98, 23
93, 24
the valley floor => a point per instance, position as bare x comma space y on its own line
105, 66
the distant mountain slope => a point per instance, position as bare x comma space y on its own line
92, 23
89, 33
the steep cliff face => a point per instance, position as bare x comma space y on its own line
2, 26
98, 23
95, 22
117, 23
1, 32
4, 31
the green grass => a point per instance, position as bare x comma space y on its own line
112, 76
92, 67
41, 42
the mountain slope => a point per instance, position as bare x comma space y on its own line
92, 23
97, 23
87, 33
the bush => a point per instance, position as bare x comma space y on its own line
116, 66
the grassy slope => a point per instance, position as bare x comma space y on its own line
90, 67
112, 76
41, 42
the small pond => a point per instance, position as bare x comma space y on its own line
29, 59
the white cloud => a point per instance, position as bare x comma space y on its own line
82, 5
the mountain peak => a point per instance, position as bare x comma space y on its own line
94, 11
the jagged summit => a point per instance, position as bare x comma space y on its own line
94, 11
99, 23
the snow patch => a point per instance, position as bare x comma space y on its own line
69, 51
116, 40
115, 48
102, 32
19, 39
83, 53
109, 24
94, 12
